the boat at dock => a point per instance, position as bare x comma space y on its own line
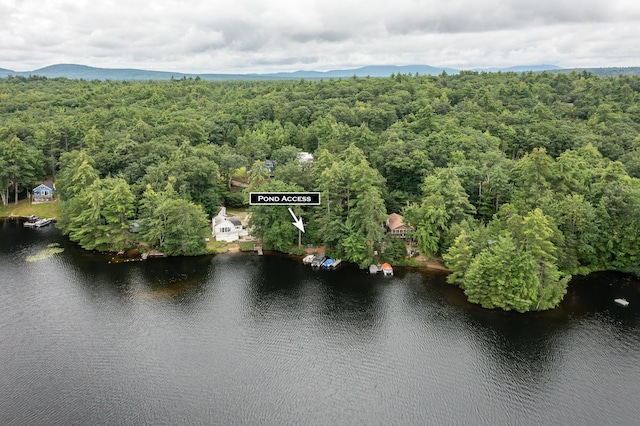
318, 260
387, 269
37, 222
327, 263
621, 302
308, 259
335, 263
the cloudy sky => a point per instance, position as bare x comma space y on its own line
288, 35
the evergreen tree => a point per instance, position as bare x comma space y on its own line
171, 224
445, 203
21, 166
272, 224
350, 220
459, 257
502, 277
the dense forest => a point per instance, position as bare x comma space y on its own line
516, 181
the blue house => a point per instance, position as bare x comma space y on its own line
269, 165
43, 192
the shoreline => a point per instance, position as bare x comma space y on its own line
428, 264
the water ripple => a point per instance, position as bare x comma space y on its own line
239, 339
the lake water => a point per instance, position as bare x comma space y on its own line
242, 339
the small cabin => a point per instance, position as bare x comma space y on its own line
269, 166
44, 192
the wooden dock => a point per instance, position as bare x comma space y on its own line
258, 249
151, 253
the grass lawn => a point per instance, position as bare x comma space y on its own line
238, 211
49, 210
246, 245
215, 247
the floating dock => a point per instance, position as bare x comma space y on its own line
621, 302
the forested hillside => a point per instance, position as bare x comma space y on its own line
515, 180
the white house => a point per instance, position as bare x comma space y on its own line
305, 157
227, 228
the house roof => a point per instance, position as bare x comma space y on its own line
47, 184
305, 157
224, 224
41, 186
236, 221
395, 221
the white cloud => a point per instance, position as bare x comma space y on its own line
257, 36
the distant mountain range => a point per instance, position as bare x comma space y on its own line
84, 72
521, 68
73, 71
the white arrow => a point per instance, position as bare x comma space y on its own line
298, 221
